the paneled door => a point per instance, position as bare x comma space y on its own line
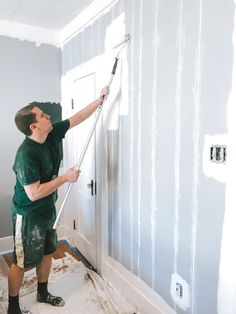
84, 190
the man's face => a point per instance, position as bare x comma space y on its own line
43, 123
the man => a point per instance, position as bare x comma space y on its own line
33, 207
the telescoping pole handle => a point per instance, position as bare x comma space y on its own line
78, 165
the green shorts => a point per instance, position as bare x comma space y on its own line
34, 237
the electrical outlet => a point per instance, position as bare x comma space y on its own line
180, 291
218, 153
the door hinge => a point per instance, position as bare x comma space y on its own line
74, 224
72, 103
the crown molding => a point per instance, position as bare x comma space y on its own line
34, 34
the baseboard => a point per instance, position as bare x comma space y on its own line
6, 245
135, 289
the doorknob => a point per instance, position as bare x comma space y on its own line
91, 186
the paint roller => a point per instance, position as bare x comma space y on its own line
119, 44
122, 43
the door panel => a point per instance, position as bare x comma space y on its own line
83, 91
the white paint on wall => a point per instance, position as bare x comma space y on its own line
227, 270
119, 83
217, 171
118, 93
115, 33
196, 156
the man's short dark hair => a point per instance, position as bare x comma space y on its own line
24, 118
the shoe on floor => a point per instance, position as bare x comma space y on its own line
51, 299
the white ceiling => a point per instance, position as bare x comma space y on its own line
50, 14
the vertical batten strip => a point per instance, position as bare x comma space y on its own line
119, 190
196, 139
139, 134
132, 141
154, 205
177, 134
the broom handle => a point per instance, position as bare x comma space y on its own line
99, 110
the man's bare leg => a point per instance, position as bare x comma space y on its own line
15, 278
43, 271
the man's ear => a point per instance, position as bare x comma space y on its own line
32, 126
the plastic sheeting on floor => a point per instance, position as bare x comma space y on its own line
83, 290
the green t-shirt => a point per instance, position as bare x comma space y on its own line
37, 162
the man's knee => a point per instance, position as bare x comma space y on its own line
15, 268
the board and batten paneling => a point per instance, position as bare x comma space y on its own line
165, 215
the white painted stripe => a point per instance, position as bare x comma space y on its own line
139, 134
196, 156
154, 133
18, 242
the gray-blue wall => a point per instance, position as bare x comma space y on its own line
165, 215
27, 73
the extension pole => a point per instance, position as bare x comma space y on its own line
99, 110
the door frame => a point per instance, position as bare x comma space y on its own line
92, 66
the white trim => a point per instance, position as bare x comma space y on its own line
64, 233
31, 33
6, 245
134, 289
92, 66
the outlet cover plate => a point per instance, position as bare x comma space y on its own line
180, 291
